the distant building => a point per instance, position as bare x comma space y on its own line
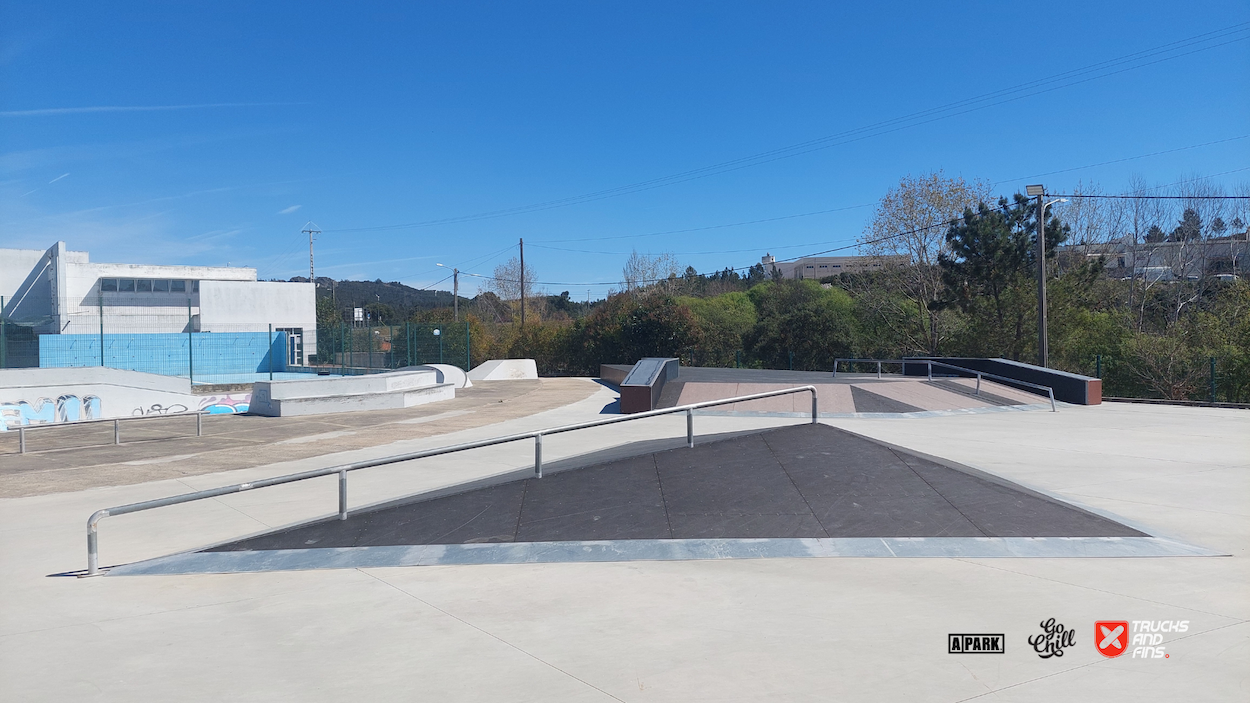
817, 267
1223, 257
61, 292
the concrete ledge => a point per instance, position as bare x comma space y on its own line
384, 391
395, 400
662, 550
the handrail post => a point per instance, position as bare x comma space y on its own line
878, 369
199, 424
1051, 391
21, 440
930, 366
343, 494
815, 414
835, 367
93, 546
690, 428
538, 456
117, 432
978, 383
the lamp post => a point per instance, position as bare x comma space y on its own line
1043, 343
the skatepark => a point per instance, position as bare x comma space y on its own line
772, 559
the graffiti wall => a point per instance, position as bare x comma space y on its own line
41, 411
225, 404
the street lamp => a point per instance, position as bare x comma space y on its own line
455, 291
439, 333
1043, 343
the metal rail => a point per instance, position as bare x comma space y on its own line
93, 551
1050, 392
117, 431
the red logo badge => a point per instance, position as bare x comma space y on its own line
1111, 637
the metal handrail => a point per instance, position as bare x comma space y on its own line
1050, 392
117, 433
93, 552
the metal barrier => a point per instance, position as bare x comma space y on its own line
93, 552
117, 430
1050, 392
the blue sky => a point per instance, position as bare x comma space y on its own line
272, 114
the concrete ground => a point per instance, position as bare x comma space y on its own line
71, 458
793, 629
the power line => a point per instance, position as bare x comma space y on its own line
876, 129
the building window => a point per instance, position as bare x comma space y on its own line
195, 286
824, 266
109, 285
812, 267
126, 285
160, 286
178, 286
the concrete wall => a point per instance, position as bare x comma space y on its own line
49, 396
227, 305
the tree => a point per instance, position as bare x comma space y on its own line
987, 272
643, 272
508, 285
817, 324
906, 231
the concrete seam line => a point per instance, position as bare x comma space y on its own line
1098, 590
1021, 683
489, 634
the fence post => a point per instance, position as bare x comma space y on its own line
791, 361
4, 342
270, 351
408, 341
468, 358
737, 358
351, 344
100, 298
1098, 366
1213, 380
190, 347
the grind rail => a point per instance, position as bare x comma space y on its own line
93, 551
1050, 392
117, 429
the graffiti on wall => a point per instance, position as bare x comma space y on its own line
43, 411
226, 404
158, 409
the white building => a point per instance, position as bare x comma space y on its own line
62, 292
818, 267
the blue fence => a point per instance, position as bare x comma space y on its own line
211, 353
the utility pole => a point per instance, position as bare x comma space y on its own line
455, 294
1043, 352
522, 283
310, 229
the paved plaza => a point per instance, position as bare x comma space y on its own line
783, 628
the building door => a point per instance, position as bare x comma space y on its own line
294, 345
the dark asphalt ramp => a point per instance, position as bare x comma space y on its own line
800, 481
